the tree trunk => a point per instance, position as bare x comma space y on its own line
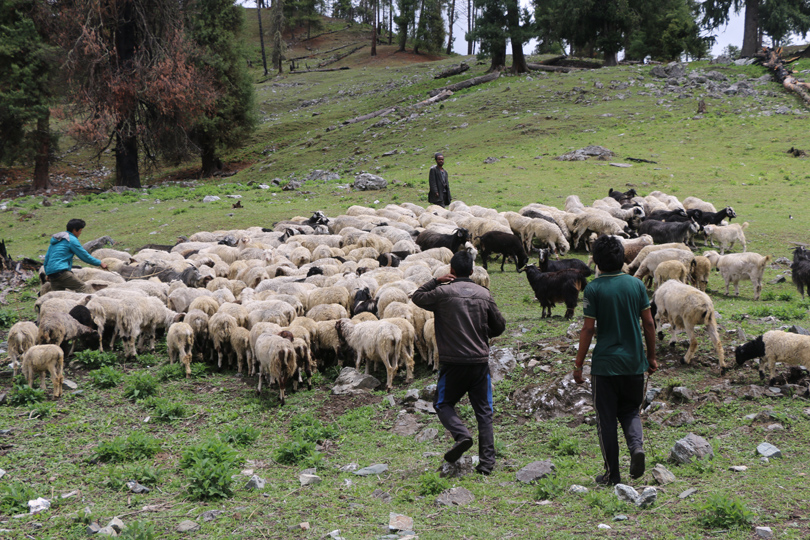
611, 59
513, 20
259, 6
126, 161
470, 18
390, 21
751, 42
210, 162
451, 18
42, 160
374, 33
498, 57
419, 27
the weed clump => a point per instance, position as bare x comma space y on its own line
143, 473
240, 436
14, 498
140, 385
431, 483
209, 467
721, 511
106, 377
96, 359
549, 488
166, 410
22, 394
296, 451
132, 448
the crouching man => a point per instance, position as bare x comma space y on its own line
59, 259
466, 317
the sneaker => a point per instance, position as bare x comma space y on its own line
457, 450
637, 464
604, 480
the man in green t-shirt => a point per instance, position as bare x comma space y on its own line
612, 305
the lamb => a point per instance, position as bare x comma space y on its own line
663, 232
198, 321
740, 266
700, 272
220, 328
506, 244
276, 358
775, 346
686, 307
429, 239
670, 270
552, 287
240, 344
42, 358
21, 337
727, 235
373, 341
800, 269
179, 344
651, 262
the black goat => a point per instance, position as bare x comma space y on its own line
552, 287
503, 243
714, 218
545, 264
431, 239
663, 232
363, 302
622, 197
389, 259
677, 215
695, 213
801, 269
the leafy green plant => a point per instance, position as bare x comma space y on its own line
92, 359
211, 449
138, 530
143, 473
140, 385
311, 429
42, 410
721, 511
14, 497
8, 318
165, 409
296, 451
131, 448
22, 394
357, 420
563, 443
431, 483
607, 502
147, 360
168, 372
549, 488
106, 377
240, 435
210, 479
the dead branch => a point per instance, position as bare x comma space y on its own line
435, 99
316, 53
556, 69
466, 84
319, 70
381, 112
772, 59
453, 70
339, 57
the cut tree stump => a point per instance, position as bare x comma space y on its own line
466, 84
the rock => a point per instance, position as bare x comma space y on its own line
573, 330
662, 475
38, 505
117, 525
650, 396
768, 450
351, 381
384, 496
763, 532
389, 400
555, 398
626, 493
647, 497
620, 165
107, 531
620, 517
462, 467
691, 446
292, 185
372, 469
428, 393
501, 362
211, 515
688, 493
135, 487
399, 522
309, 479
406, 425
679, 419
93, 528
778, 279
603, 526
799, 330
255, 482
582, 154
368, 181
2, 473
424, 406
211, 198
490, 160
578, 489
535, 470
411, 396
350, 467
188, 526
738, 468
457, 496
532, 363
775, 427
427, 434
659, 71
683, 393
98, 243
323, 176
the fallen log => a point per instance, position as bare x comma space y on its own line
339, 57
466, 84
453, 70
435, 99
321, 52
369, 116
772, 60
556, 69
319, 70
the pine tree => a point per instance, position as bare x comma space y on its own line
430, 32
490, 32
277, 22
405, 20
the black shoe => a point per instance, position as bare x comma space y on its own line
483, 470
604, 480
457, 450
637, 464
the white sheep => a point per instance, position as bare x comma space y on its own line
41, 359
240, 344
547, 233
328, 295
726, 235
651, 261
326, 312
670, 270
59, 328
691, 203
740, 266
700, 272
646, 250
21, 337
373, 341
776, 346
594, 221
432, 348
198, 321
686, 307
180, 343
206, 304
275, 356
220, 328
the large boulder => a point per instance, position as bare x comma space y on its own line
536, 470
501, 362
691, 447
351, 381
368, 181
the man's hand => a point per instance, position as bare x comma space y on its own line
447, 278
653, 366
103, 265
578, 376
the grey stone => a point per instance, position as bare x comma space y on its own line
457, 496
69, 384
556, 398
428, 393
799, 330
427, 434
211, 515
662, 475
490, 160
691, 446
324, 176
255, 482
211, 198
389, 400
406, 424
368, 181
462, 467
738, 468
309, 479
647, 497
399, 522
117, 525
620, 165
768, 450
596, 151
626, 493
778, 279
775, 427
535, 470
650, 396
679, 419
424, 406
603, 526
107, 531
384, 496
351, 381
292, 185
93, 528
379, 468
578, 489
350, 467
658, 71
683, 393
501, 362
688, 493
135, 487
763, 532
411, 396
2, 473
188, 526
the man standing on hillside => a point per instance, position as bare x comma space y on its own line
466, 318
438, 184
59, 259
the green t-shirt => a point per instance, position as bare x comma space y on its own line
616, 301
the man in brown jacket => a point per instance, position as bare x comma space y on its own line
466, 318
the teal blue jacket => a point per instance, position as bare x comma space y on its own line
64, 246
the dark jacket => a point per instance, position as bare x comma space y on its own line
439, 187
466, 318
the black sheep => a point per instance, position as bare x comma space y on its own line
801, 269
552, 287
622, 197
389, 259
545, 264
363, 302
503, 243
431, 239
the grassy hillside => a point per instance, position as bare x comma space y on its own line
735, 154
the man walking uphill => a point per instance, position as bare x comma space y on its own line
466, 318
438, 184
612, 304
59, 259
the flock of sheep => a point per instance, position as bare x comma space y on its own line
280, 302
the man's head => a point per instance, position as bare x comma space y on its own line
462, 264
75, 225
439, 158
608, 253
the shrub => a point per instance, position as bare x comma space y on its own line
8, 318
138, 530
359, 420
140, 385
22, 394
42, 410
14, 498
147, 360
721, 511
563, 444
431, 483
134, 447
607, 502
240, 436
549, 487
106, 377
211, 450
296, 451
210, 479
169, 372
165, 409
96, 359
143, 473
311, 429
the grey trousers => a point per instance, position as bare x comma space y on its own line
617, 400
68, 281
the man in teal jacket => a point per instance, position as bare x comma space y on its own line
59, 259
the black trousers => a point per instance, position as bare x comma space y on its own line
617, 400
455, 380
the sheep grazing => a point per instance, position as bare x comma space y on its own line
240, 343
633, 246
303, 363
41, 359
740, 266
545, 264
775, 346
363, 302
663, 232
552, 287
59, 329
726, 235
21, 337
800, 268
179, 343
670, 270
699, 274
428, 239
646, 269
276, 358
506, 244
373, 341
220, 328
686, 307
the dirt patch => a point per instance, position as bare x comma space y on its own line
335, 406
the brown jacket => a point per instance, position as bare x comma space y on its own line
466, 318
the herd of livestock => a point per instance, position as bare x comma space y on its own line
280, 302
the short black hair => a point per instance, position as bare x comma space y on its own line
437, 154
75, 225
608, 253
462, 264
